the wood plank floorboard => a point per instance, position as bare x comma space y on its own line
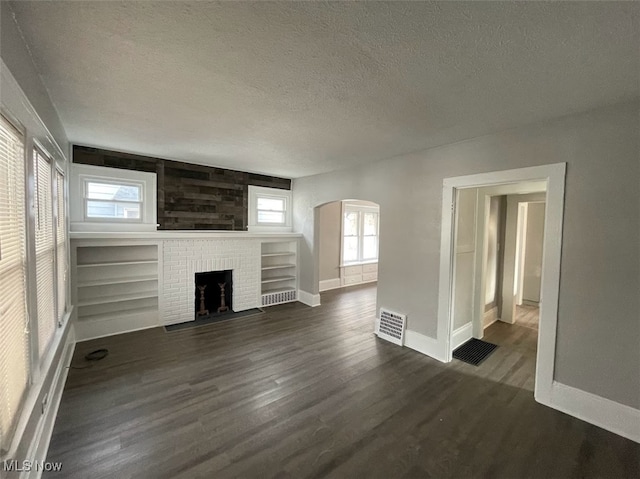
300, 392
528, 315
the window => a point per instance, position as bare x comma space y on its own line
14, 327
113, 201
269, 209
29, 289
45, 251
359, 233
61, 247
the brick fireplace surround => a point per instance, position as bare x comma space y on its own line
183, 258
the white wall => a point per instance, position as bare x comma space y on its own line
600, 268
17, 58
509, 293
494, 250
532, 270
330, 216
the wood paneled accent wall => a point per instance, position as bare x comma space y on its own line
189, 196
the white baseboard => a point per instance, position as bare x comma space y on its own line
309, 299
489, 323
86, 330
425, 345
327, 284
39, 447
605, 413
461, 335
489, 317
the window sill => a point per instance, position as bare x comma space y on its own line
358, 263
269, 229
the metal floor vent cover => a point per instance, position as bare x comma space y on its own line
474, 351
392, 326
269, 299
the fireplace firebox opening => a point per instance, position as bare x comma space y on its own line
213, 293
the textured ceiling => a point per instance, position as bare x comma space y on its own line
293, 89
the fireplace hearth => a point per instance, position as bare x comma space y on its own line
213, 293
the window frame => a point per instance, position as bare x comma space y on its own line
31, 360
360, 210
45, 217
16, 109
257, 192
80, 175
62, 264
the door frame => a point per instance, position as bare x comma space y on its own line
521, 248
554, 175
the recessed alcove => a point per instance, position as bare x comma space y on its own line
213, 293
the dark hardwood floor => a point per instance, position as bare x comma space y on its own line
301, 392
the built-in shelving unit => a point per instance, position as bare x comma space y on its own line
279, 272
127, 281
116, 283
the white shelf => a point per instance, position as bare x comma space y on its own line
277, 279
120, 263
272, 255
279, 289
108, 281
278, 266
115, 282
279, 269
118, 314
119, 298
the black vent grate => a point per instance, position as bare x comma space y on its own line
474, 351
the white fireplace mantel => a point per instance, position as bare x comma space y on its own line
178, 234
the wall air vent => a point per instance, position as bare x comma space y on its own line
392, 326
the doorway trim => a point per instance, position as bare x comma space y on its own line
554, 175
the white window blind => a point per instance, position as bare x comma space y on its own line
61, 256
271, 211
351, 234
14, 330
369, 236
44, 252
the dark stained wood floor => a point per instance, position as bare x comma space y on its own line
311, 393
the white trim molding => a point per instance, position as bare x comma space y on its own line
461, 335
425, 345
16, 105
256, 192
327, 284
39, 446
309, 299
610, 415
81, 174
490, 317
554, 177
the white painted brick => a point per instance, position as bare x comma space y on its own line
183, 258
